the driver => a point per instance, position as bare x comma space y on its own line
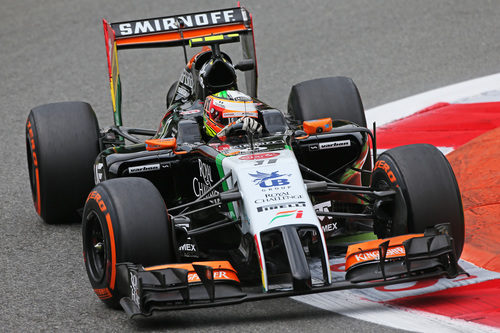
225, 109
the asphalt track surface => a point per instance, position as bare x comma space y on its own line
54, 51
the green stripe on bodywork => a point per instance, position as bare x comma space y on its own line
218, 162
362, 237
288, 147
118, 103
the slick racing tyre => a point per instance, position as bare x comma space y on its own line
335, 97
62, 142
427, 192
124, 220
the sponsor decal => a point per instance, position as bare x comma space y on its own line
200, 187
281, 206
103, 293
187, 79
205, 172
287, 213
374, 255
260, 144
171, 23
134, 290
259, 156
329, 227
265, 162
98, 173
94, 195
334, 144
381, 164
144, 168
187, 247
272, 179
218, 275
278, 196
189, 112
182, 92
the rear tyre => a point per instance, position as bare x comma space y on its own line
124, 220
428, 192
62, 142
335, 97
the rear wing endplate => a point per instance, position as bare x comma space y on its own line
176, 30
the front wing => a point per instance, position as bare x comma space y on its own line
215, 283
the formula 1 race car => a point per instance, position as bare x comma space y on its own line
232, 200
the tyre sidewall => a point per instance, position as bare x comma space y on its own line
424, 179
106, 288
33, 166
136, 228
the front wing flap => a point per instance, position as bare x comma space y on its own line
400, 256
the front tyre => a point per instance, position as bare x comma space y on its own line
124, 220
427, 192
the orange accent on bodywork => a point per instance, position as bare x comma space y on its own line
158, 144
113, 252
317, 126
176, 36
222, 270
203, 50
368, 251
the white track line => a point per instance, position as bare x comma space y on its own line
345, 303
405, 107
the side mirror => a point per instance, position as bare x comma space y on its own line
158, 144
317, 126
245, 65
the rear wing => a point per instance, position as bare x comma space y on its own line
176, 30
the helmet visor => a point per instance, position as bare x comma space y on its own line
224, 111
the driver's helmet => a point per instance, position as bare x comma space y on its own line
217, 75
224, 108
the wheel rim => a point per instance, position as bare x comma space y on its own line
95, 247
